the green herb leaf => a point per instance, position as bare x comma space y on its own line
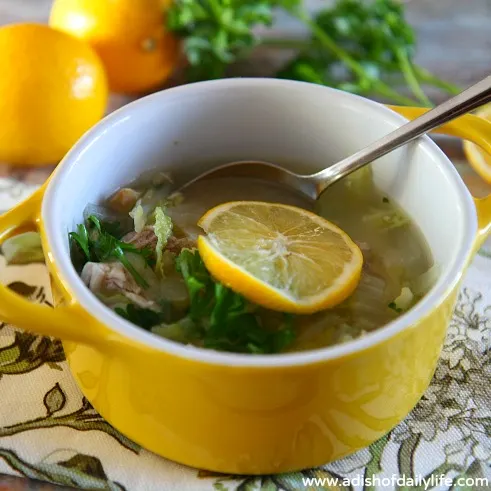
144, 318
286, 335
199, 283
81, 237
394, 307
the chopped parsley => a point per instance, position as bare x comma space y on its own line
98, 245
394, 307
228, 322
144, 318
216, 317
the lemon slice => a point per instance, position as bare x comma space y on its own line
478, 158
280, 257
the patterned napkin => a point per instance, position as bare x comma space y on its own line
48, 431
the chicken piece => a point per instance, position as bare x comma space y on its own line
110, 278
124, 200
140, 301
144, 239
176, 245
147, 238
101, 277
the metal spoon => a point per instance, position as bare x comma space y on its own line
314, 185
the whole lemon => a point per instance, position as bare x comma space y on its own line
53, 88
129, 35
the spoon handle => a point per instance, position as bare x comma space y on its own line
468, 100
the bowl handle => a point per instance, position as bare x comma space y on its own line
58, 322
478, 131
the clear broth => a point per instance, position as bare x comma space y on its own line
395, 252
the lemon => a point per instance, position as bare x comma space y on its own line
478, 158
130, 36
53, 88
278, 256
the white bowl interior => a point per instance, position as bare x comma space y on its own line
302, 126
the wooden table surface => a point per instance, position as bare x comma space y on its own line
454, 42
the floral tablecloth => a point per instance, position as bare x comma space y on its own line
48, 431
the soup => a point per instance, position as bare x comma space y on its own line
168, 291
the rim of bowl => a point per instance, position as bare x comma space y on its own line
65, 270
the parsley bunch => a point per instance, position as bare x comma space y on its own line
372, 41
217, 33
355, 45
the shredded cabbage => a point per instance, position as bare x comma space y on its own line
404, 300
386, 220
143, 213
139, 218
163, 231
180, 331
346, 332
23, 249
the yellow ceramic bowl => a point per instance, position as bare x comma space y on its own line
479, 160
250, 414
